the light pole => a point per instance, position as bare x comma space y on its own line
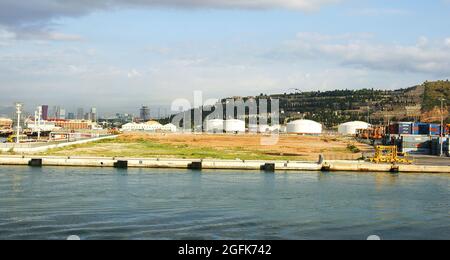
39, 115
442, 127
19, 112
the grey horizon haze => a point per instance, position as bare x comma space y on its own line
117, 55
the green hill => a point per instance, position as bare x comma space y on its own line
418, 103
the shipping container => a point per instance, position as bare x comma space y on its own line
402, 128
436, 146
429, 129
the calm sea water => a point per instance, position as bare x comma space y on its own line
53, 203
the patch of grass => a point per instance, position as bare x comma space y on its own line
151, 149
353, 148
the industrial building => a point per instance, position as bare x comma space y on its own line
304, 127
351, 128
43, 126
6, 123
75, 124
234, 126
150, 126
214, 126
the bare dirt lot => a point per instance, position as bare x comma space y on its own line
246, 147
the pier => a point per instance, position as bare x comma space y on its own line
268, 166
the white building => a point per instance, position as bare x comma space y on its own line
304, 127
151, 126
351, 128
44, 126
132, 127
234, 126
171, 128
215, 126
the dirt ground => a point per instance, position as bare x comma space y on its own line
297, 147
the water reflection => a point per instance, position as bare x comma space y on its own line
53, 203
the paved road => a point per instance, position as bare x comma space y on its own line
431, 160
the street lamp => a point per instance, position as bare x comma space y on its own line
19, 113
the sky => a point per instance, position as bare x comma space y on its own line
117, 55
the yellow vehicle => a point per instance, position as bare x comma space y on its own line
13, 138
389, 154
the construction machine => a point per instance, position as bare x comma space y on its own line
373, 134
389, 154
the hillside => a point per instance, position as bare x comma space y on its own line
431, 105
418, 103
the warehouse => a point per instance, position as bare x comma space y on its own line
351, 128
214, 126
304, 127
234, 126
170, 128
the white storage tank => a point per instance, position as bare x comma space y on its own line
234, 126
304, 127
170, 128
351, 128
214, 125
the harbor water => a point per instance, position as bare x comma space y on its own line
107, 203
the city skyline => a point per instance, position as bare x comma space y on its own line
167, 50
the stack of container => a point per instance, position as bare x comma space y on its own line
401, 128
429, 129
436, 145
415, 144
417, 138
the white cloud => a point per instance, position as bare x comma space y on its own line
64, 37
447, 42
6, 37
19, 12
134, 74
33, 18
422, 57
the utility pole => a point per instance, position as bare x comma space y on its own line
442, 127
39, 122
19, 113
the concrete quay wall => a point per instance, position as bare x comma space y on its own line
271, 166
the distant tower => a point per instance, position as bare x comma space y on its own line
93, 116
45, 112
145, 113
61, 113
80, 114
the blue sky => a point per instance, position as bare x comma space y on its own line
119, 54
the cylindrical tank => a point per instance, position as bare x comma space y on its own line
234, 126
214, 125
304, 127
351, 128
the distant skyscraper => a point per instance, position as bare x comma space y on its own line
45, 112
145, 113
55, 112
71, 116
80, 114
93, 114
61, 113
